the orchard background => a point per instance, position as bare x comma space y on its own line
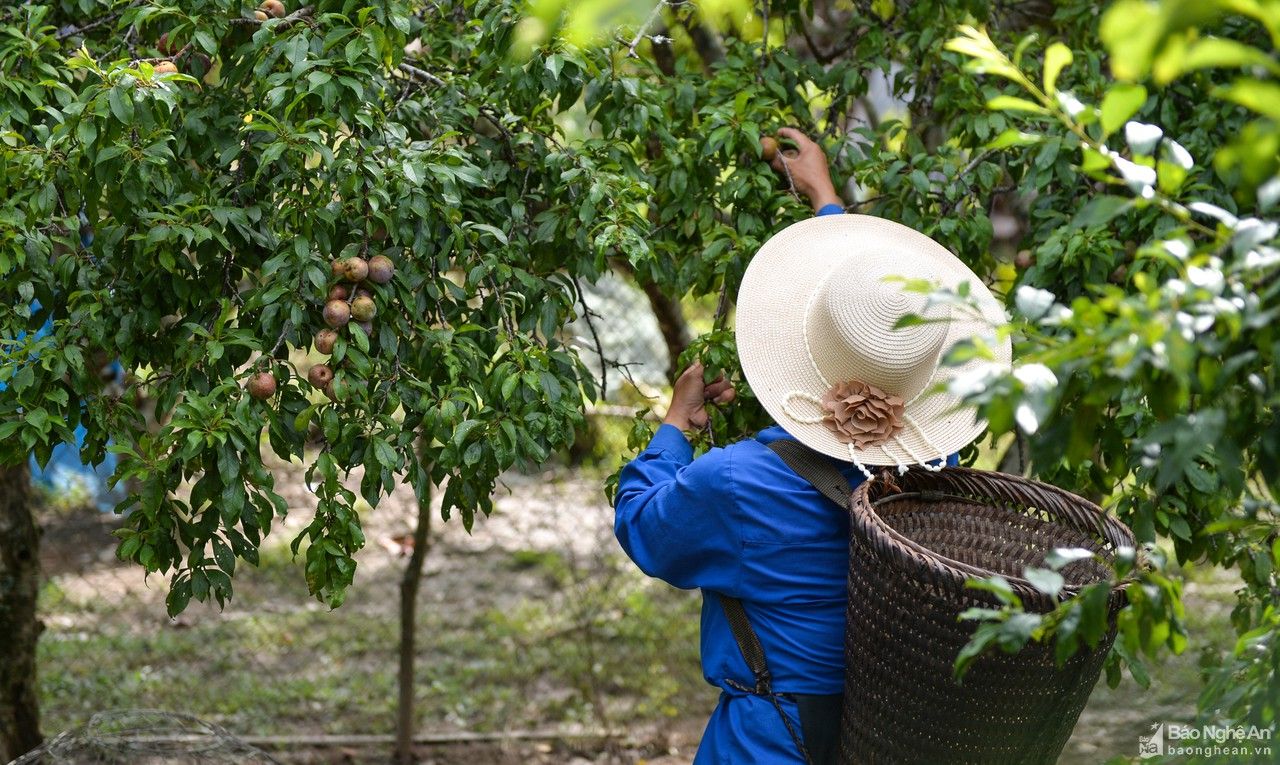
547, 180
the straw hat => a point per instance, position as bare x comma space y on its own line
815, 330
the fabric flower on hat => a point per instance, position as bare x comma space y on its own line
861, 414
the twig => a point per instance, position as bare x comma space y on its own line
66, 32
156, 59
303, 14
976, 161
866, 201
764, 39
591, 325
486, 111
722, 305
644, 28
284, 331
423, 75
819, 55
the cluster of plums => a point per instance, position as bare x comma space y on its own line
270, 9
347, 300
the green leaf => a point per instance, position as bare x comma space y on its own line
1056, 58
1132, 30
1015, 104
1014, 137
1119, 105
1061, 556
121, 104
1045, 580
224, 557
178, 598
998, 586
1220, 52
984, 636
1099, 210
1257, 95
463, 430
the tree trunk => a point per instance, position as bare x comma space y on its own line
408, 617
670, 316
19, 584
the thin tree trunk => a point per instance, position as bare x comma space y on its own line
408, 617
1015, 460
19, 585
704, 41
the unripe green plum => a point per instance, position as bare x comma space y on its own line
363, 308
355, 269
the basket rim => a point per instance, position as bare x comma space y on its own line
860, 505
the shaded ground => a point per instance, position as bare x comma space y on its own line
533, 622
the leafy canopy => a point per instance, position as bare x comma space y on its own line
1136, 154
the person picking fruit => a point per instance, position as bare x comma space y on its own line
818, 337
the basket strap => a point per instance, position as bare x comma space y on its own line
753, 652
817, 470
814, 468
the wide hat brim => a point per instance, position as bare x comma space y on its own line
770, 331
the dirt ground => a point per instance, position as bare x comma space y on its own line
531, 622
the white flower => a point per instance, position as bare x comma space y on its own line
1139, 177
1214, 211
1251, 232
1210, 279
1178, 248
1027, 419
1036, 378
1058, 315
1262, 257
1141, 137
1221, 306
1178, 155
1184, 322
1032, 302
1269, 193
975, 380
1069, 103
1176, 287
1160, 352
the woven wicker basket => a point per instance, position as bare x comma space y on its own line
910, 554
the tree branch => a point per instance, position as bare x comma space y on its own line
69, 31
303, 14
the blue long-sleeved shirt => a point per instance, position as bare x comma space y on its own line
738, 521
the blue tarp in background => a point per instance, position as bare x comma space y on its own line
66, 474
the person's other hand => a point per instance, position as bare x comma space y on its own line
807, 165
690, 396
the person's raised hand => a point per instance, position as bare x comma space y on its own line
807, 166
690, 396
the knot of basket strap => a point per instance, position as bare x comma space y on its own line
889, 482
764, 686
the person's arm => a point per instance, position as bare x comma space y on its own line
674, 514
807, 166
